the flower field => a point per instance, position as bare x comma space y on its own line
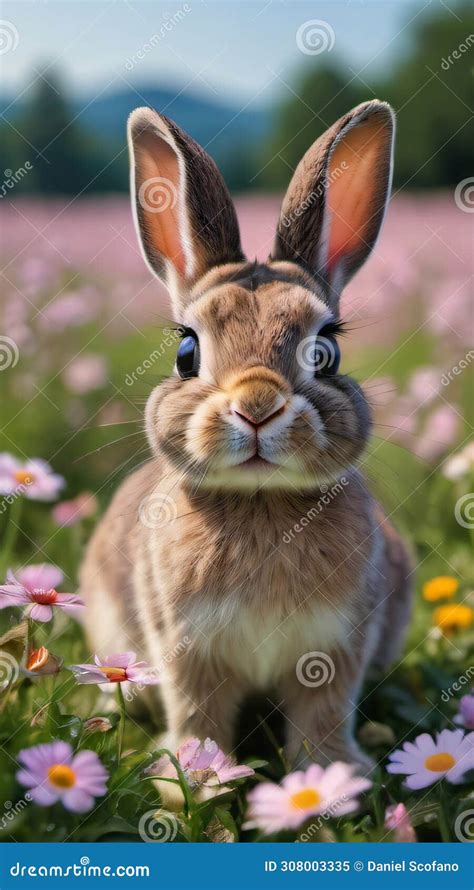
84, 338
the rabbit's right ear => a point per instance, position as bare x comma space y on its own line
335, 204
184, 214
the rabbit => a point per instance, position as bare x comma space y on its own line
248, 554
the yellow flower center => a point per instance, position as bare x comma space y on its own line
440, 763
24, 477
306, 799
62, 776
114, 675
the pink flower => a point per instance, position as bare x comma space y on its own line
465, 717
116, 669
398, 821
441, 430
71, 512
86, 373
317, 791
70, 310
53, 773
34, 478
426, 760
424, 385
203, 763
36, 586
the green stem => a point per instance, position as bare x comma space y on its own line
29, 641
444, 817
11, 532
189, 803
378, 806
121, 725
50, 709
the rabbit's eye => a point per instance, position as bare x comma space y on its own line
327, 355
187, 358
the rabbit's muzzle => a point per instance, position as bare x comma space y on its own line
258, 398
259, 413
245, 431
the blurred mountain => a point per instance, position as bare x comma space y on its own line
231, 134
207, 120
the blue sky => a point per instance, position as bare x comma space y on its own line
230, 49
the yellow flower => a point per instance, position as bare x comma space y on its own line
453, 618
441, 588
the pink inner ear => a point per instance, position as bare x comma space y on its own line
352, 189
158, 165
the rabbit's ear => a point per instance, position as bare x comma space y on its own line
184, 214
335, 204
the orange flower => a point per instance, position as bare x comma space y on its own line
453, 618
443, 587
40, 662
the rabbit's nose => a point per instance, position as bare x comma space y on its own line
257, 416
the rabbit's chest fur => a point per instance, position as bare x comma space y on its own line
249, 593
263, 647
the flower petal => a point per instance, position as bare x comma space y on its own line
41, 613
44, 796
422, 779
12, 595
77, 800
87, 673
41, 577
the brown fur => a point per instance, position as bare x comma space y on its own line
253, 567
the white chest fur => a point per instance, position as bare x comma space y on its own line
263, 647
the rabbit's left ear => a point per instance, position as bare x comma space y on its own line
335, 203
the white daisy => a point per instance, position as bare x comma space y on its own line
427, 760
